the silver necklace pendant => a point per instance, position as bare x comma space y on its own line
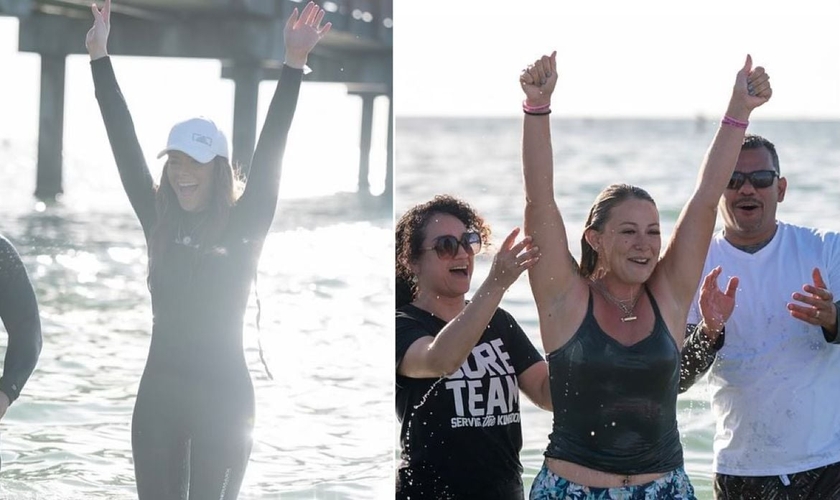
185, 238
627, 310
186, 241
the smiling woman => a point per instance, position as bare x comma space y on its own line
198, 166
200, 180
204, 246
323, 322
460, 365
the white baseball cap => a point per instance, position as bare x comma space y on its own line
199, 138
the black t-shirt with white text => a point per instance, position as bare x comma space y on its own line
461, 434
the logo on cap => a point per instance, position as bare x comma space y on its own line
202, 139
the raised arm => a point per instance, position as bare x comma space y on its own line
443, 354
554, 275
134, 173
19, 312
255, 209
682, 262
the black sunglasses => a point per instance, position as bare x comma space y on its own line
759, 179
447, 246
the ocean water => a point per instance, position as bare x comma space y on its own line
321, 427
478, 160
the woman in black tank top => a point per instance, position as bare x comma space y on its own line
612, 325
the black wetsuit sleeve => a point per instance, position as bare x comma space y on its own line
832, 337
697, 356
134, 173
19, 312
255, 209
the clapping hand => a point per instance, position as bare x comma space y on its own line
512, 259
819, 308
716, 306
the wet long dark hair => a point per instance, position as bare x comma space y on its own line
599, 214
227, 187
411, 231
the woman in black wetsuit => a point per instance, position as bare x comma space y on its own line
19, 313
191, 429
20, 317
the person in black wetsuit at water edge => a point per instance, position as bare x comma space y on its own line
19, 313
192, 422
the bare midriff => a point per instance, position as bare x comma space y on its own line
598, 479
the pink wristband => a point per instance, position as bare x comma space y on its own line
535, 109
728, 120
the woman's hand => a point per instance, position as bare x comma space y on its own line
303, 33
538, 80
96, 40
512, 259
716, 306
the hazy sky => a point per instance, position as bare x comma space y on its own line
615, 58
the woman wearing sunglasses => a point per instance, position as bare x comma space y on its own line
460, 364
613, 326
192, 422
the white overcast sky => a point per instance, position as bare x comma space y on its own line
615, 57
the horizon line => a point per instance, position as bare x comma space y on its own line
705, 118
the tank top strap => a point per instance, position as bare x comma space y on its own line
653, 303
590, 306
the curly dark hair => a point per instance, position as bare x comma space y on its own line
600, 213
411, 231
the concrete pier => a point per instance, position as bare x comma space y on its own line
245, 35
50, 127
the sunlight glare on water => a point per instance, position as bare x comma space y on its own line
324, 327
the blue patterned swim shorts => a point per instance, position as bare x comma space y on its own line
672, 486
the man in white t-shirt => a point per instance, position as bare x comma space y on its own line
775, 381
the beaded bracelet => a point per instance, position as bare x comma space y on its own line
535, 109
535, 113
728, 120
